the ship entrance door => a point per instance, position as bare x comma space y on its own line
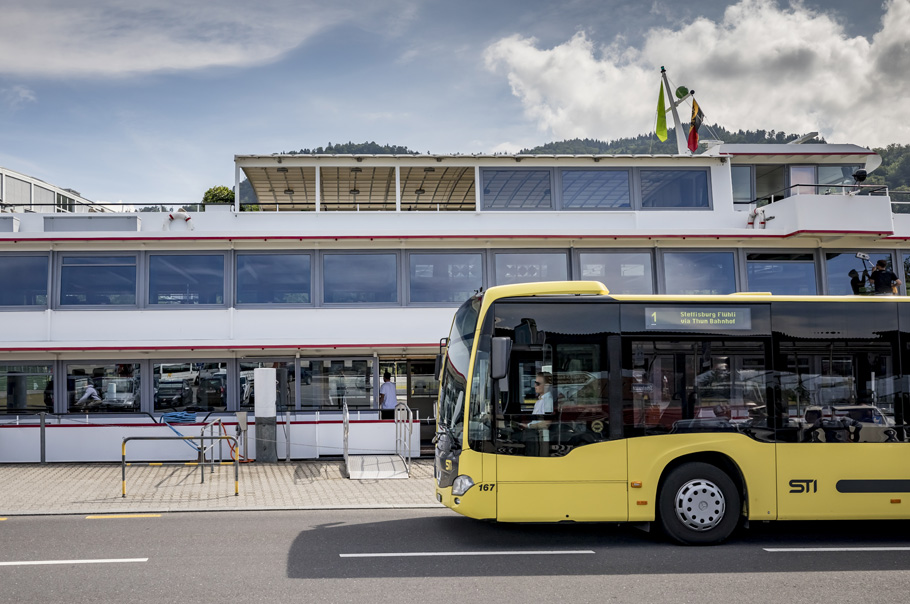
417, 386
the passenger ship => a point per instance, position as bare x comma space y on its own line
353, 265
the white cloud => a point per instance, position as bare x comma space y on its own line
52, 38
760, 66
18, 95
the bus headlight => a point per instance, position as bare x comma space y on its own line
462, 484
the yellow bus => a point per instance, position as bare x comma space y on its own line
561, 403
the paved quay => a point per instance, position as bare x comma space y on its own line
35, 489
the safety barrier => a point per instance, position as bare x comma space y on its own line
201, 463
404, 426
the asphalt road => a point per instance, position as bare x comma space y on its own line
421, 556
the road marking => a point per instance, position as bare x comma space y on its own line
99, 561
505, 553
101, 516
836, 549
2, 519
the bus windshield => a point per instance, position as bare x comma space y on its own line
454, 377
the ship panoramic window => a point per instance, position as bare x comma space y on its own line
115, 387
24, 280
273, 279
98, 280
595, 189
360, 278
27, 388
621, 272
782, 274
843, 281
530, 267
185, 279
516, 190
671, 189
839, 179
692, 273
444, 277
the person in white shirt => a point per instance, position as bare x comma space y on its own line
544, 404
388, 397
89, 393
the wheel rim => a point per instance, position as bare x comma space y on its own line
700, 505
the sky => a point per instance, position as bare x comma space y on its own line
148, 101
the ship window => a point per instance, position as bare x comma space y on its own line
838, 178
526, 267
116, 387
595, 189
671, 189
742, 184
27, 388
24, 280
98, 280
360, 278
285, 382
186, 279
688, 273
444, 277
273, 279
621, 272
517, 190
840, 265
783, 274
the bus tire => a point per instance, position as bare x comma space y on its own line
699, 504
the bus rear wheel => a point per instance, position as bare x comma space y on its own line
699, 504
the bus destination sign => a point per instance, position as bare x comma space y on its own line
698, 318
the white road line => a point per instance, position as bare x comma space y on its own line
505, 553
836, 549
98, 561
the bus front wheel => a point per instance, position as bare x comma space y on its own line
699, 504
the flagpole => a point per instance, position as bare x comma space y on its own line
682, 145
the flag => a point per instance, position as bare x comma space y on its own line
694, 124
661, 130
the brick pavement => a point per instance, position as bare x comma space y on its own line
31, 489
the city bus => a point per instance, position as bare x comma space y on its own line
699, 414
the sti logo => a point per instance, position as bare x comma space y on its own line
804, 486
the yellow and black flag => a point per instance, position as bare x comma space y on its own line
694, 124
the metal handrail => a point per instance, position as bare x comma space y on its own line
404, 427
202, 449
123, 463
846, 190
346, 421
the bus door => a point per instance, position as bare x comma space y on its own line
554, 459
839, 453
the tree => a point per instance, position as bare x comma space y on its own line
217, 195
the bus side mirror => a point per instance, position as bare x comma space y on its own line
499, 358
439, 361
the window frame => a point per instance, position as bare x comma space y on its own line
708, 188
49, 282
227, 280
577, 269
820, 285
406, 266
491, 260
560, 202
555, 200
141, 280
380, 252
661, 265
235, 258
